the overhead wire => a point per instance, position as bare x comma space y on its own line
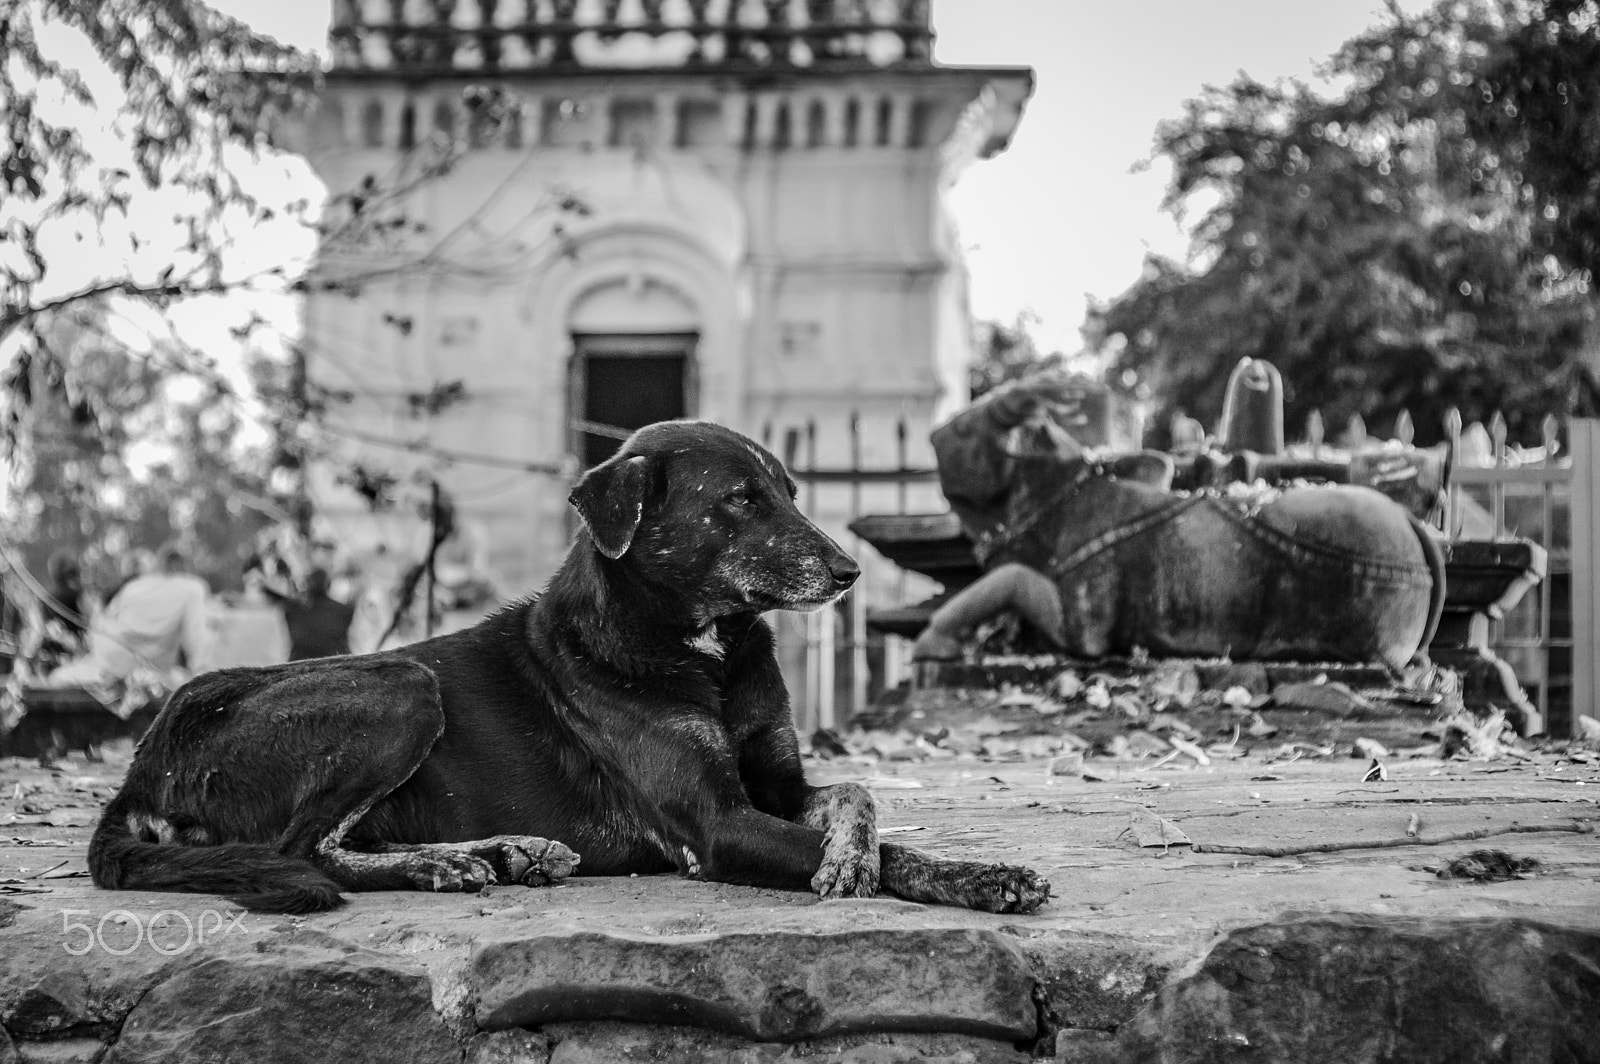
228, 391
447, 453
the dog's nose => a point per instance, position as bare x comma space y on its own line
844, 571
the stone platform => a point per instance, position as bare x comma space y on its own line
1330, 938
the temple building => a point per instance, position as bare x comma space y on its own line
629, 210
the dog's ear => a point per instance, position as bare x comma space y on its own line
610, 499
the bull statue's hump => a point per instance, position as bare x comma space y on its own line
1350, 525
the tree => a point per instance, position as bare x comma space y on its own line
1005, 352
132, 134
137, 162
1536, 109
1390, 248
135, 138
159, 455
192, 95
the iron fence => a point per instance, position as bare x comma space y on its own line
834, 664
1547, 494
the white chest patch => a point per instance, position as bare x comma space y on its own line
706, 641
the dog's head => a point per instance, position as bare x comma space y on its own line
701, 511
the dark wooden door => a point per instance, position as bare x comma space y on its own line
623, 381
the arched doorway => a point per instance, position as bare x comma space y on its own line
633, 363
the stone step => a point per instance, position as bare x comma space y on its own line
1357, 988
779, 986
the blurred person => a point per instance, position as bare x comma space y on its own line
347, 581
323, 554
135, 563
67, 601
319, 625
267, 578
461, 570
375, 601
63, 615
13, 620
248, 627
156, 621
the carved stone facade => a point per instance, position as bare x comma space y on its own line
729, 209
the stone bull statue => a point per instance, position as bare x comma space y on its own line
1101, 557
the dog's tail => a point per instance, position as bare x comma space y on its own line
250, 875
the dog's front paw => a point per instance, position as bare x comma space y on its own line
848, 878
849, 869
1008, 889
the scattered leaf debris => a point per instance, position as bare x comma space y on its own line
1489, 866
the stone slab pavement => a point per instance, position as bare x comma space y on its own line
1334, 940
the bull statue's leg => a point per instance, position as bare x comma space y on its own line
1010, 586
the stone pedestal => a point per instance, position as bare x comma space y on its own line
1483, 580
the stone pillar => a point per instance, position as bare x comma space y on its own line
766, 127
667, 116
834, 105
899, 133
735, 109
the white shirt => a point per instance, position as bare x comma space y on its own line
148, 621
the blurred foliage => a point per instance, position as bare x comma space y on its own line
162, 454
132, 138
181, 95
123, 127
133, 135
1425, 238
1006, 352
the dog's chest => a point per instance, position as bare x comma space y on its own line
709, 642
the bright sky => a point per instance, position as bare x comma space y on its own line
1060, 214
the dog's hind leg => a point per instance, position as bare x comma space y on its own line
525, 859
845, 813
357, 731
326, 744
355, 784
247, 781
397, 866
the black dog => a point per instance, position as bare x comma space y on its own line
634, 711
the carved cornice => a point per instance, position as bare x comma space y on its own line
427, 37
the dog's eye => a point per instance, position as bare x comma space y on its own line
739, 498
